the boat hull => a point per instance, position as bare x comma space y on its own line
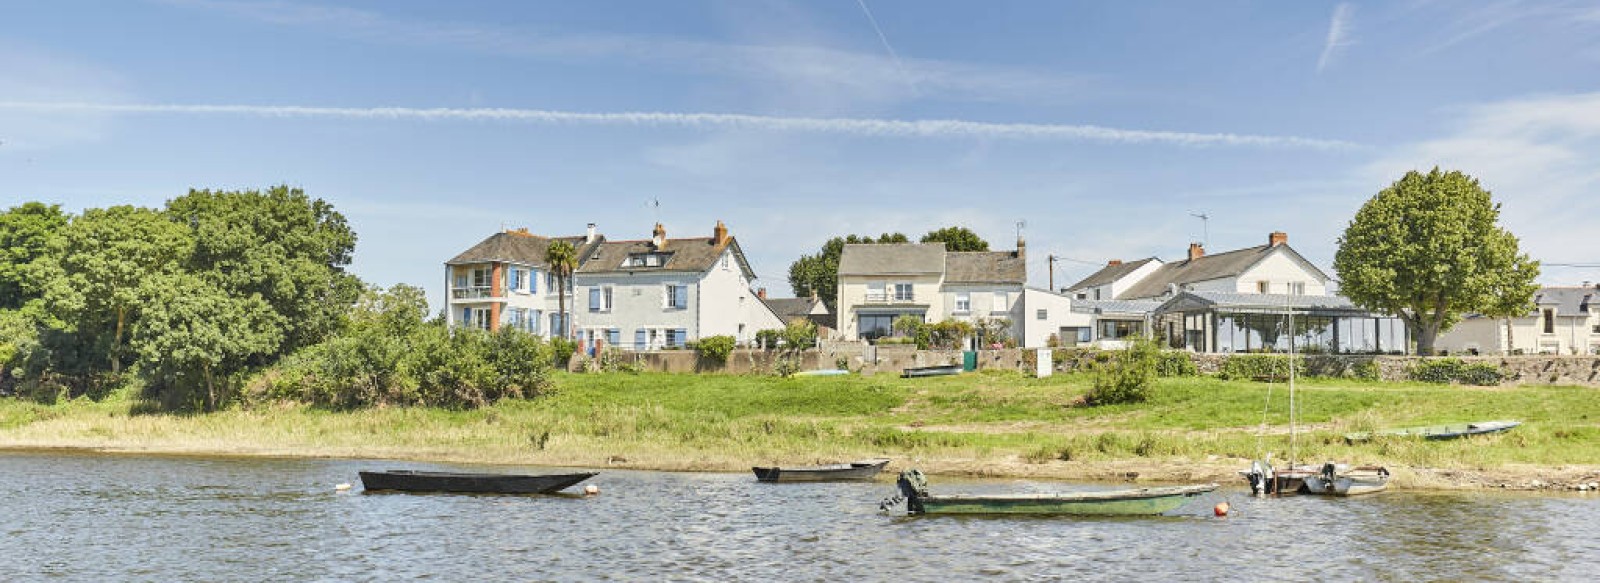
1438, 432
854, 471
1336, 481
930, 371
1140, 502
420, 481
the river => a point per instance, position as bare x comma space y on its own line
85, 517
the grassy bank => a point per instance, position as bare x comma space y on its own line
988, 424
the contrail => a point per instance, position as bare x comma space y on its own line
865, 127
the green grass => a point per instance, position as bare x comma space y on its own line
999, 423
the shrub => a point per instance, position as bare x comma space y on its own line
1447, 370
799, 334
1128, 376
1173, 363
768, 339
562, 349
1366, 370
714, 349
1272, 367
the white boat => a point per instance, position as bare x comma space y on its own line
1341, 480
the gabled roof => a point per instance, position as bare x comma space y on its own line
789, 308
1110, 273
519, 247
694, 255
1227, 264
1568, 301
985, 267
892, 259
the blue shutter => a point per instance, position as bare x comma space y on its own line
594, 299
683, 336
680, 297
613, 336
638, 339
466, 316
533, 282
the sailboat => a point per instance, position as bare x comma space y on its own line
1330, 479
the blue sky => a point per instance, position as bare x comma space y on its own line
1104, 126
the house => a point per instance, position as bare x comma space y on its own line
1062, 319
1273, 268
1113, 279
504, 280
879, 283
1565, 320
660, 292
810, 309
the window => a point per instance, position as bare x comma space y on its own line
1297, 288
1118, 329
677, 296
1096, 294
646, 260
902, 292
677, 337
516, 280
1043, 315
557, 326
963, 303
1001, 303
727, 260
876, 293
600, 299
1084, 296
535, 318
461, 280
478, 318
1263, 287
1549, 321
613, 336
481, 276
1075, 335
872, 326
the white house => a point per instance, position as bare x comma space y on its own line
660, 292
505, 281
1565, 320
879, 283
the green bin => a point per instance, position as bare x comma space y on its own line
969, 360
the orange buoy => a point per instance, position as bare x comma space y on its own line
1221, 509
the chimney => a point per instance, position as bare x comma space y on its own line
1113, 263
719, 234
1277, 238
761, 292
1196, 251
1022, 248
590, 237
659, 236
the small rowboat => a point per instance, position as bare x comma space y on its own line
1434, 432
930, 371
827, 372
1337, 480
860, 470
1133, 502
420, 481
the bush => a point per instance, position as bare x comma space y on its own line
714, 349
768, 339
1446, 370
562, 349
1173, 363
1270, 367
1367, 371
1128, 376
799, 335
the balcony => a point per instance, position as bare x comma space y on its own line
889, 298
471, 293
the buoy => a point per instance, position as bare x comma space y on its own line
591, 490
1221, 509
342, 487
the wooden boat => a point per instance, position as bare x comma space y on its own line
1449, 431
421, 481
1266, 480
1337, 480
826, 372
859, 470
930, 371
1132, 502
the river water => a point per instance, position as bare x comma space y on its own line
83, 517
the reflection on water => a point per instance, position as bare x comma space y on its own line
86, 517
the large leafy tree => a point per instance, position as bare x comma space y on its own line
279, 244
25, 233
957, 239
193, 338
563, 260
818, 274
1428, 249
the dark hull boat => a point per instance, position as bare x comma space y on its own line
930, 371
420, 481
861, 470
913, 488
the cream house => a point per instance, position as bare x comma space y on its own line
879, 283
1565, 320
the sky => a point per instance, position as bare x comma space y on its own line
1098, 130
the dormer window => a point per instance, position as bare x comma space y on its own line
646, 260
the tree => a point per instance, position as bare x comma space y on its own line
193, 338
957, 239
25, 233
563, 259
818, 274
288, 248
1429, 248
1511, 296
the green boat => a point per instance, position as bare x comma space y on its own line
1435, 432
1133, 502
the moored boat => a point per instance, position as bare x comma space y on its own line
913, 489
1266, 480
469, 483
826, 372
1339, 480
1434, 432
858, 470
930, 371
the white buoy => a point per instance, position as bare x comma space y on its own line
342, 487
591, 490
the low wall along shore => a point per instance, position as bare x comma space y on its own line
866, 359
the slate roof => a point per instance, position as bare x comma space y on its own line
1268, 303
694, 255
985, 267
1115, 306
1227, 264
788, 308
1110, 273
519, 247
1568, 301
892, 259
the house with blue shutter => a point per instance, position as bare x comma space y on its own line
504, 281
663, 293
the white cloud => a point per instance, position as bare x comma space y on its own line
865, 127
1338, 35
1537, 155
35, 76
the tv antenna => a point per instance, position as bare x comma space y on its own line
1205, 227
1020, 226
655, 207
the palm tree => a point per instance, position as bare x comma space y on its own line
563, 259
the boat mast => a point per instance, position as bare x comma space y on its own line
1294, 432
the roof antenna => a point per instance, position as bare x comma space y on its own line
655, 206
1020, 226
1205, 226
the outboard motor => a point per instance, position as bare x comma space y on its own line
1261, 477
912, 486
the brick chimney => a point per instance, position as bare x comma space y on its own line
1196, 251
719, 234
1022, 248
658, 237
1277, 238
589, 238
761, 292
1113, 263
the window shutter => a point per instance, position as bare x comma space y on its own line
680, 296
533, 282
594, 299
683, 336
466, 315
613, 336
638, 339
